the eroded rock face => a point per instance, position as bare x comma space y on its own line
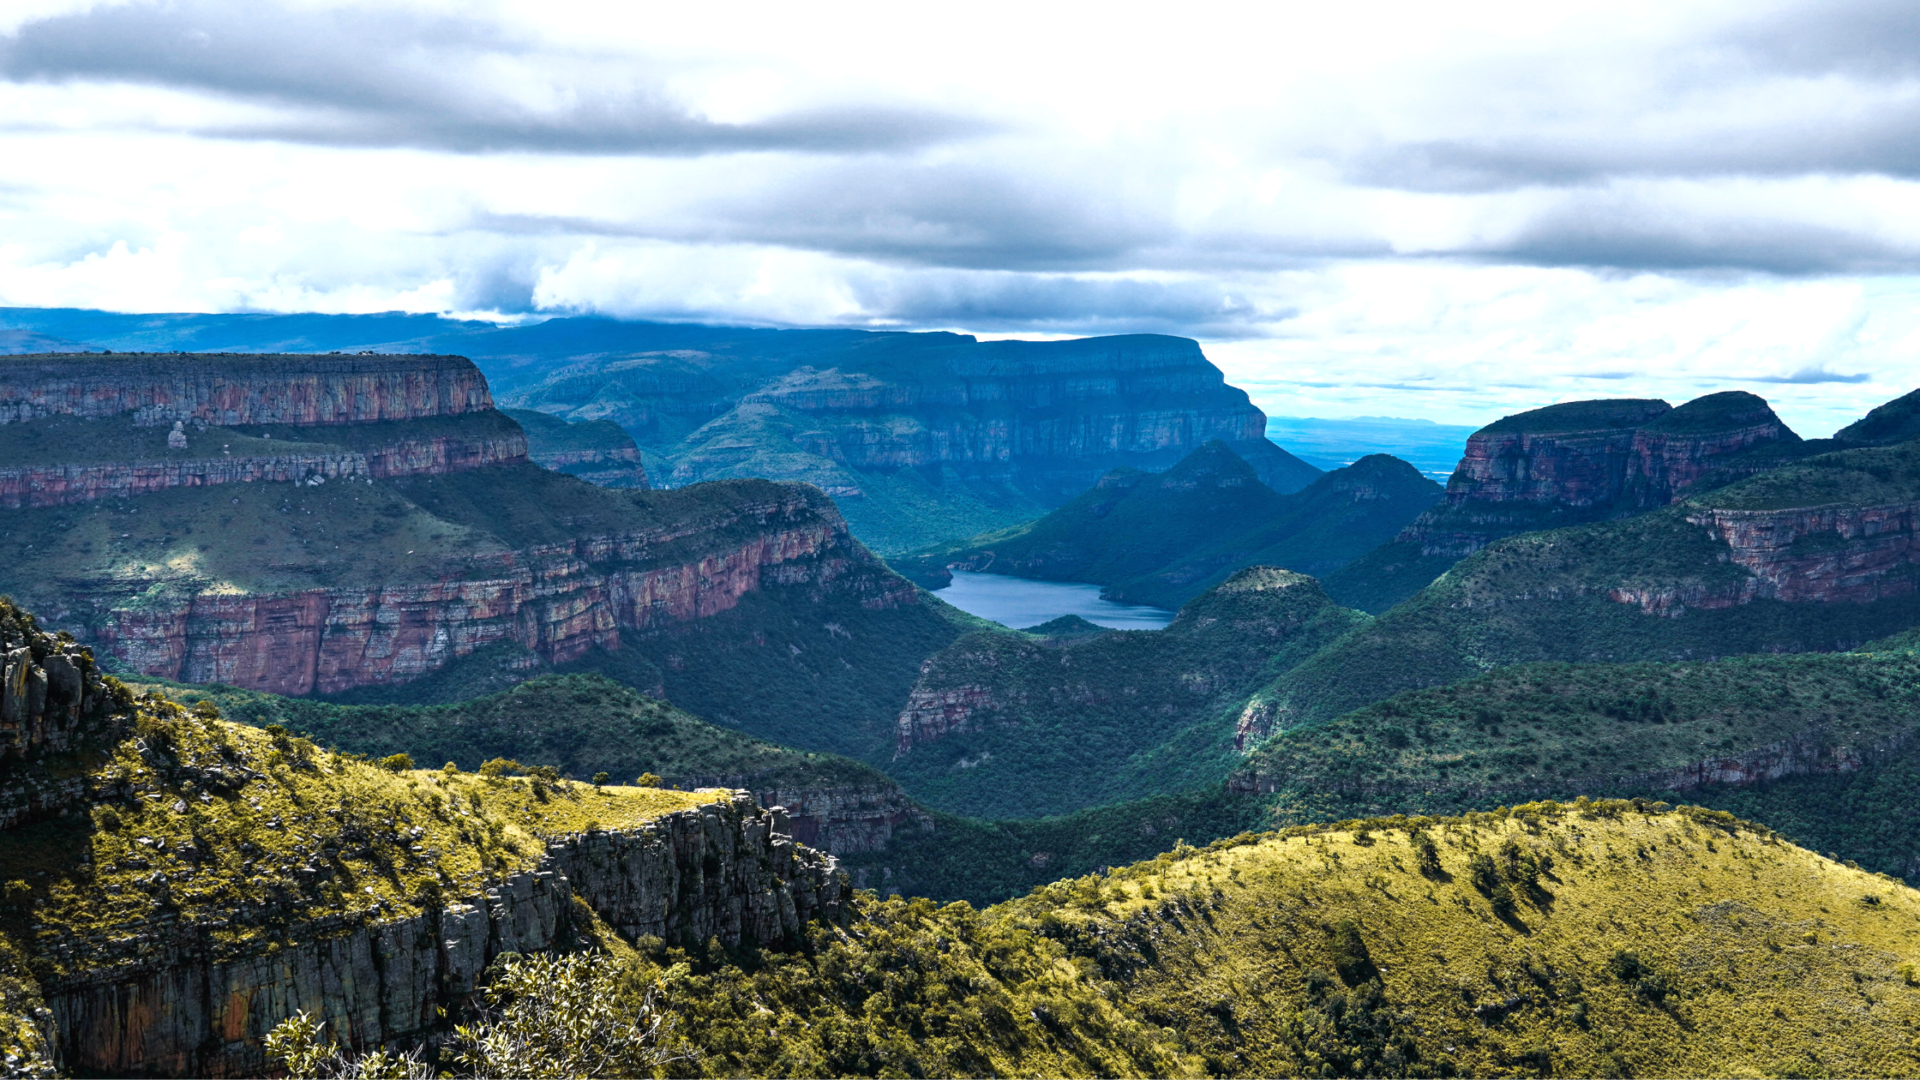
171, 1003
1589, 461
232, 389
558, 601
50, 697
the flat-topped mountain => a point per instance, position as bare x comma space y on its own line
307, 524
1571, 463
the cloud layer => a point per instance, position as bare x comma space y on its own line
1434, 201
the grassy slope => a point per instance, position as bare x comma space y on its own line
242, 833
1637, 942
1540, 596
579, 724
1116, 716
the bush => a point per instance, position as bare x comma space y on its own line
647, 779
397, 763
602, 779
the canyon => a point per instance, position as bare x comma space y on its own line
385, 521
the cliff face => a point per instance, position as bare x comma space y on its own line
597, 451
163, 999
920, 436
355, 570
1591, 460
49, 694
227, 390
558, 601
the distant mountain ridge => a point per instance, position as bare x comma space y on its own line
919, 437
1165, 538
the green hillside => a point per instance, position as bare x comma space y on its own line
1324, 526
579, 724
1544, 596
1061, 724
1592, 939
1165, 538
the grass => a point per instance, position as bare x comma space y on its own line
1595, 938
244, 834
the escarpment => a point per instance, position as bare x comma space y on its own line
1591, 460
204, 881
320, 524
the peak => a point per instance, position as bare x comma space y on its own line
1603, 414
1213, 459
1381, 467
1066, 626
1725, 411
1261, 578
1896, 421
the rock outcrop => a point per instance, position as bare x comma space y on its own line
50, 697
225, 390
168, 999
556, 601
597, 451
1592, 460
849, 819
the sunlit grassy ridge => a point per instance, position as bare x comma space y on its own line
1599, 939
245, 833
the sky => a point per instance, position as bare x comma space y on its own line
1449, 211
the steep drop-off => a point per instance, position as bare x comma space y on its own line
207, 880
921, 437
331, 524
1567, 464
597, 451
1816, 555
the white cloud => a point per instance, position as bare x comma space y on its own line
1470, 206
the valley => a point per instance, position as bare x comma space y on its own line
327, 686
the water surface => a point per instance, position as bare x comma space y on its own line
1020, 603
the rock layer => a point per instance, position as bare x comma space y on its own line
178, 1005
1589, 461
557, 601
228, 389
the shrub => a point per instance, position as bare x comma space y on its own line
1426, 855
647, 779
397, 763
602, 779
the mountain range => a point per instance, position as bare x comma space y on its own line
1390, 795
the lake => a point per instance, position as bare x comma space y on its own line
1020, 603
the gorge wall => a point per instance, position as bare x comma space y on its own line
165, 999
1592, 460
546, 564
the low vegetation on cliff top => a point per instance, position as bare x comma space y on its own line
1588, 939
243, 833
579, 724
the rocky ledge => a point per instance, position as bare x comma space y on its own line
167, 1001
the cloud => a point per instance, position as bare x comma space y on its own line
380, 76
1809, 375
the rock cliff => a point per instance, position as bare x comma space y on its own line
1591, 460
597, 451
956, 431
225, 390
166, 998
323, 523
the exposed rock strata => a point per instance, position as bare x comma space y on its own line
229, 389
558, 601
49, 694
1589, 461
67, 484
169, 1001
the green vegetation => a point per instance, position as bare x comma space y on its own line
1592, 939
578, 724
1574, 416
1063, 723
1540, 728
1895, 422
239, 832
1385, 576
1545, 596
1165, 538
